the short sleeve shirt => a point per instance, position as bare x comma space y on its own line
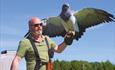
25, 50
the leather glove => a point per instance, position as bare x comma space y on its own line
68, 38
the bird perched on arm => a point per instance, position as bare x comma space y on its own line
77, 22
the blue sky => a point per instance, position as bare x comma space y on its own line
97, 43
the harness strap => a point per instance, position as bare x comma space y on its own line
38, 61
50, 53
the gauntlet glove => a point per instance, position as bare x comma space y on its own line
68, 38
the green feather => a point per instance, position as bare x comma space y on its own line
91, 16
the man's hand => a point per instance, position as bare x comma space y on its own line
68, 39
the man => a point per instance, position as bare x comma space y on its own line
25, 48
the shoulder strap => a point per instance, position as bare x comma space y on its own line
47, 43
35, 49
38, 62
50, 50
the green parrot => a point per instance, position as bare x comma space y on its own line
76, 21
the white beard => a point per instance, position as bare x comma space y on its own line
36, 32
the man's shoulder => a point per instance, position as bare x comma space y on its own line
48, 39
24, 40
45, 36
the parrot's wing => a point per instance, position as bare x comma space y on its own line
88, 17
54, 27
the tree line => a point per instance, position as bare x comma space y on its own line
82, 65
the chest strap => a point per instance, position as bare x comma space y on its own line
38, 61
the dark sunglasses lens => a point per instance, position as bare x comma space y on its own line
38, 24
41, 24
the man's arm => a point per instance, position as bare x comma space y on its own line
60, 47
15, 63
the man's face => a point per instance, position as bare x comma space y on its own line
36, 28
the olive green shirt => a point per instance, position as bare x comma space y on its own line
25, 49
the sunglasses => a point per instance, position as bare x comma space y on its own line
36, 25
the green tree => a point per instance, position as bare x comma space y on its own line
65, 65
56, 65
108, 65
74, 65
82, 65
